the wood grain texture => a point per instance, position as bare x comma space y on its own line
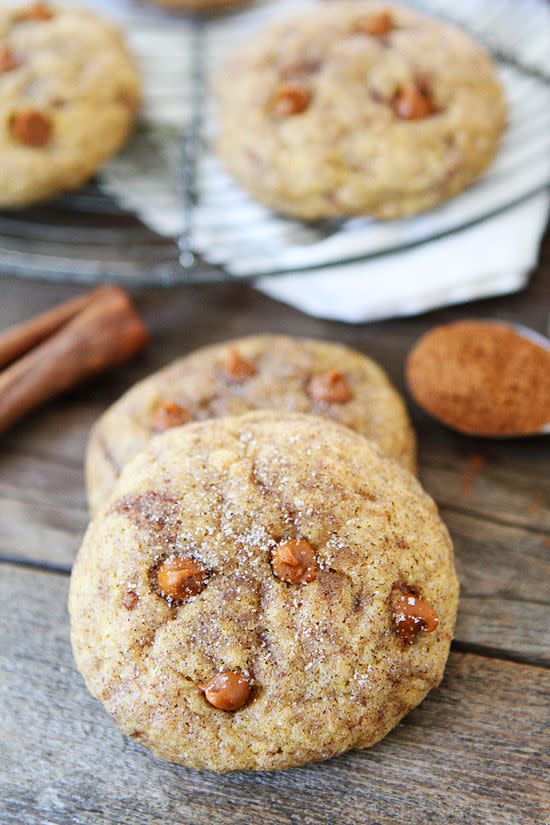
471, 753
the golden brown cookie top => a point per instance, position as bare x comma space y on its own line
260, 372
355, 108
243, 581
69, 92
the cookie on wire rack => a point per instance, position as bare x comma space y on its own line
262, 591
69, 93
358, 108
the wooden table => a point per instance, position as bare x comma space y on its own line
471, 753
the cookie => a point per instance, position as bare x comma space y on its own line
358, 108
263, 591
69, 92
264, 372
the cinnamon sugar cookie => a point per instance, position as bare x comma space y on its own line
69, 92
358, 108
262, 591
262, 372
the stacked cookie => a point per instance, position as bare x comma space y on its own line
264, 583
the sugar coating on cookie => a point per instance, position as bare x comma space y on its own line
252, 669
69, 92
259, 372
355, 108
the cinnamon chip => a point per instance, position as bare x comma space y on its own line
178, 578
376, 24
331, 387
290, 99
31, 128
8, 61
294, 562
237, 367
170, 414
412, 103
227, 690
411, 614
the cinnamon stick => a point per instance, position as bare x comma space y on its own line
105, 333
19, 339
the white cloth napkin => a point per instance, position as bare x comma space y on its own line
492, 257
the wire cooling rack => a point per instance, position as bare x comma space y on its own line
90, 235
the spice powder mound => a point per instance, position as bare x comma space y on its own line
481, 378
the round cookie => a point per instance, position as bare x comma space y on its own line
69, 92
263, 372
358, 108
263, 591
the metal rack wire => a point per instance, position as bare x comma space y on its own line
86, 236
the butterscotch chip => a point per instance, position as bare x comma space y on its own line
8, 61
412, 615
376, 24
349, 153
331, 387
298, 520
283, 367
180, 577
170, 414
227, 690
31, 128
74, 97
36, 12
237, 367
411, 103
290, 100
294, 562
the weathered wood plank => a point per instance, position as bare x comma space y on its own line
499, 560
470, 755
507, 483
42, 481
512, 628
41, 534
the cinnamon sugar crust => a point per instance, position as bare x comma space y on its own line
327, 669
282, 373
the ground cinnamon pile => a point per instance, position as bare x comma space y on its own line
481, 378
